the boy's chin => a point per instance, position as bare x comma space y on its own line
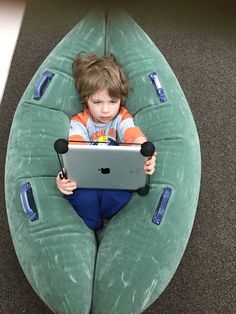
106, 120
102, 120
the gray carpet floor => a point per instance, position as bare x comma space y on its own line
198, 39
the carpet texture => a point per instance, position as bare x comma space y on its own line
199, 42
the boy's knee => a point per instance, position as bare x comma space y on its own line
113, 201
82, 197
121, 197
126, 196
93, 224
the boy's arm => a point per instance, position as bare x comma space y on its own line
132, 134
128, 132
150, 163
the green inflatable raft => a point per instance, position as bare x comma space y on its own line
143, 244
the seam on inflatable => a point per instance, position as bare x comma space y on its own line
43, 106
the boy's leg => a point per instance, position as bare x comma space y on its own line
112, 201
86, 204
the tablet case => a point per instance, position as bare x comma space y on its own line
105, 167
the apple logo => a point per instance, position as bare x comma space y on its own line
105, 170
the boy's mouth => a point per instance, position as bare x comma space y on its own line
105, 118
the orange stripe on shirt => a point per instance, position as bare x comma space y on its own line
82, 116
75, 138
124, 113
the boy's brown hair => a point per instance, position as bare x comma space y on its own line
93, 73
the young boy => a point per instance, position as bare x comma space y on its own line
103, 89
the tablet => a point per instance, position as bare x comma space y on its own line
105, 167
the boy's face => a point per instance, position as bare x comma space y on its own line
103, 108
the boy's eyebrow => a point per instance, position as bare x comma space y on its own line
94, 98
111, 98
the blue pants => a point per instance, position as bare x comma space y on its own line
93, 205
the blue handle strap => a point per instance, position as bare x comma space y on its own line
42, 84
27, 200
157, 86
161, 207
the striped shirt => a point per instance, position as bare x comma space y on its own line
121, 129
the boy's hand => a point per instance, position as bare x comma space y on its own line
149, 165
66, 186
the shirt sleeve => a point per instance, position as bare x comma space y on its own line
127, 131
78, 131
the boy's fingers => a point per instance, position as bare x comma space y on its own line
66, 185
152, 159
66, 189
69, 183
67, 192
148, 169
149, 163
66, 181
69, 187
149, 172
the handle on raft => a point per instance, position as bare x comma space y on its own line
28, 202
161, 207
42, 84
157, 85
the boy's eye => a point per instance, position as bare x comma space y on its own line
114, 101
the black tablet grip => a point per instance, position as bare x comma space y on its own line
147, 150
61, 147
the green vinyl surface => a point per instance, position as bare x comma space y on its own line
136, 258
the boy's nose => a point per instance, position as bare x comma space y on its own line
105, 108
